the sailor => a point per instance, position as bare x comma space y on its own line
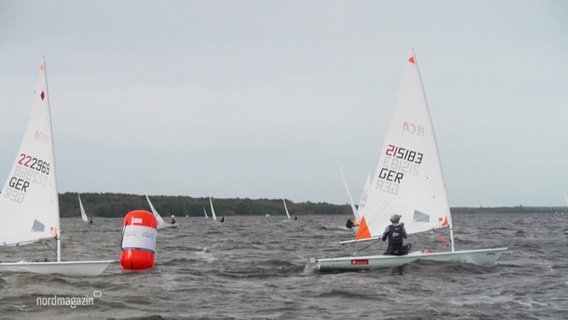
349, 223
173, 219
396, 232
222, 218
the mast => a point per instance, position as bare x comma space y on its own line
58, 224
450, 224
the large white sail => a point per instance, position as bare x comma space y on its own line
29, 204
409, 179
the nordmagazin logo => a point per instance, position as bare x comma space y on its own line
68, 301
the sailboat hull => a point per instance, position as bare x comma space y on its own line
359, 263
68, 268
167, 225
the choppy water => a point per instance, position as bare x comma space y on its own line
252, 268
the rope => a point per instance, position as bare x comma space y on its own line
364, 248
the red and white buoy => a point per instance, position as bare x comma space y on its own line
138, 240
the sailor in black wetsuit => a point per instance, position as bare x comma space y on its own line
349, 224
395, 233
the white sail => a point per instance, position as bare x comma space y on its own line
214, 217
356, 216
161, 223
84, 216
409, 179
205, 212
286, 208
363, 200
29, 204
155, 212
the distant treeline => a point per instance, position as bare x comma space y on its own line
118, 205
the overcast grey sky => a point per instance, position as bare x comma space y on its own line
259, 99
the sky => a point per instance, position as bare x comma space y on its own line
259, 99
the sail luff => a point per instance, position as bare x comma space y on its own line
55, 193
445, 193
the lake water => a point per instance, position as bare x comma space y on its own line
252, 268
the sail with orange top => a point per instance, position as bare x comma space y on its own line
408, 179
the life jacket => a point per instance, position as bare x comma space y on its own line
395, 234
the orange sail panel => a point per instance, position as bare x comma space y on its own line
363, 231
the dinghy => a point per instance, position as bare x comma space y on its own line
213, 216
286, 209
84, 216
353, 224
408, 181
29, 203
161, 223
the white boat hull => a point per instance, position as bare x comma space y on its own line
68, 268
167, 225
358, 263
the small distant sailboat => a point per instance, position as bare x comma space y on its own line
286, 208
213, 216
356, 216
84, 216
161, 223
205, 212
29, 203
408, 182
288, 213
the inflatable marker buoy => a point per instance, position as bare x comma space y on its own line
138, 240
